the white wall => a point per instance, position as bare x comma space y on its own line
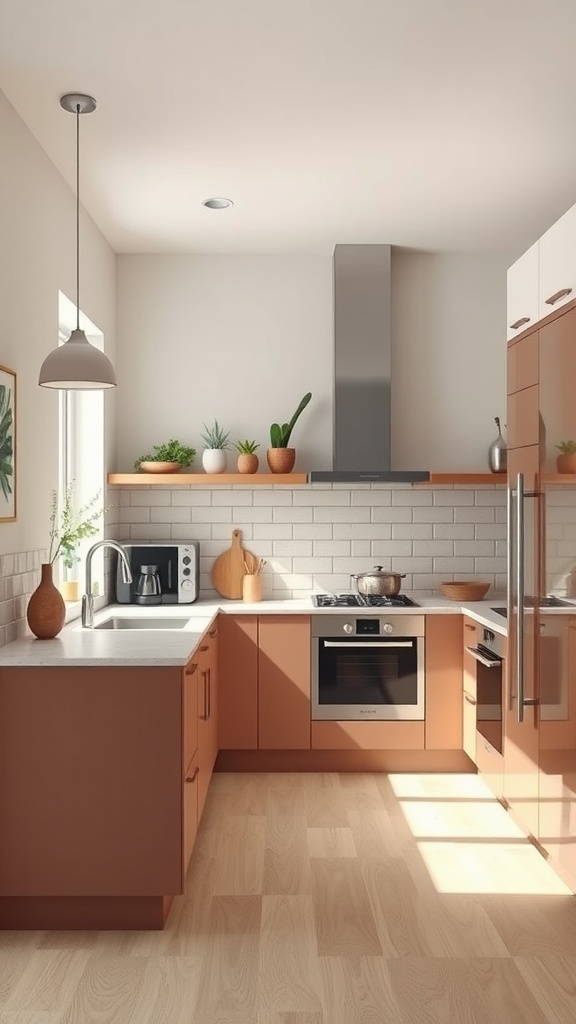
37, 259
236, 338
242, 338
448, 358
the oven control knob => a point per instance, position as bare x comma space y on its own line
348, 627
186, 585
388, 627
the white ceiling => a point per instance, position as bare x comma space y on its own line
433, 124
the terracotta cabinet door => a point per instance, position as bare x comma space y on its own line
557, 825
443, 682
284, 660
190, 813
238, 682
470, 630
557, 376
190, 710
207, 714
523, 418
522, 371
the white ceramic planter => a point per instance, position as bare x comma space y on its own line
214, 460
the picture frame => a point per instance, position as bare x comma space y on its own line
8, 477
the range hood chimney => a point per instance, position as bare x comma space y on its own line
362, 329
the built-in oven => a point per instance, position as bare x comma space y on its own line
368, 668
488, 658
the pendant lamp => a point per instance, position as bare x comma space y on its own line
77, 365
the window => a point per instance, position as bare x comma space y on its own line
81, 457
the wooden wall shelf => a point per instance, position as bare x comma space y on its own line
205, 479
466, 479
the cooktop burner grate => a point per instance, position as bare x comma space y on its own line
362, 601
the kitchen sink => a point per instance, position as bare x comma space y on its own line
142, 622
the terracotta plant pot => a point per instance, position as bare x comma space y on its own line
566, 463
247, 463
46, 609
281, 460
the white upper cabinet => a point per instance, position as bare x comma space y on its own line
522, 293
558, 264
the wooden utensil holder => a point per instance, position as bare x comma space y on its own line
252, 587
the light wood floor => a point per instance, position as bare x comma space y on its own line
326, 899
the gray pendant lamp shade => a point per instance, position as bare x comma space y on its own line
77, 365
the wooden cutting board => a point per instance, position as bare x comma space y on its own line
229, 569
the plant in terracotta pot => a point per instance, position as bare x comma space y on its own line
169, 457
214, 458
46, 610
566, 461
280, 457
247, 458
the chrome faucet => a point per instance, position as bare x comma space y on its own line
88, 598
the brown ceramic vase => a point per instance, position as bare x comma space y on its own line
46, 609
566, 463
247, 462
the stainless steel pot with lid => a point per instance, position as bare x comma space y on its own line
378, 582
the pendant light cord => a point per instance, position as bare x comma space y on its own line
77, 216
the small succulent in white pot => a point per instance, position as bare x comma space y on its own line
214, 458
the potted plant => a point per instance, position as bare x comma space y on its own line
169, 457
46, 610
214, 458
247, 458
280, 457
566, 461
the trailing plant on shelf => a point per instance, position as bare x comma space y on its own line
172, 453
247, 458
280, 457
214, 457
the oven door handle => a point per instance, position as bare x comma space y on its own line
495, 663
379, 643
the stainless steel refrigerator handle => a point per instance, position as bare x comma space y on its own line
520, 593
509, 584
351, 644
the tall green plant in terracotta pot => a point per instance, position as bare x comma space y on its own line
279, 456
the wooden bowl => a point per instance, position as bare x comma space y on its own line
160, 467
469, 590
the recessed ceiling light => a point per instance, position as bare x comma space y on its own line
217, 203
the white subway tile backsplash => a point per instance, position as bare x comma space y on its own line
412, 497
151, 496
273, 497
475, 547
313, 536
370, 497
169, 514
318, 498
456, 497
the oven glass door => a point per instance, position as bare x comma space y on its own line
359, 678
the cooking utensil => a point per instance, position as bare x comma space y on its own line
378, 581
229, 568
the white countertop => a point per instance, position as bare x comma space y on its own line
76, 645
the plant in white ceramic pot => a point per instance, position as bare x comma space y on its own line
214, 457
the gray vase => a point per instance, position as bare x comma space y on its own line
497, 452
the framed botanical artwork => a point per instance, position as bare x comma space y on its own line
7, 445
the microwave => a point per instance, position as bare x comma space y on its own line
177, 567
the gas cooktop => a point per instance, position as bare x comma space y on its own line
362, 601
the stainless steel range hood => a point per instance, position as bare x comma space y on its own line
362, 330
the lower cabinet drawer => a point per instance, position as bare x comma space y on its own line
368, 735
189, 813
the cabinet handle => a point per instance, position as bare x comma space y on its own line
213, 633
520, 322
193, 777
469, 698
204, 648
557, 296
468, 626
205, 676
191, 670
209, 674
